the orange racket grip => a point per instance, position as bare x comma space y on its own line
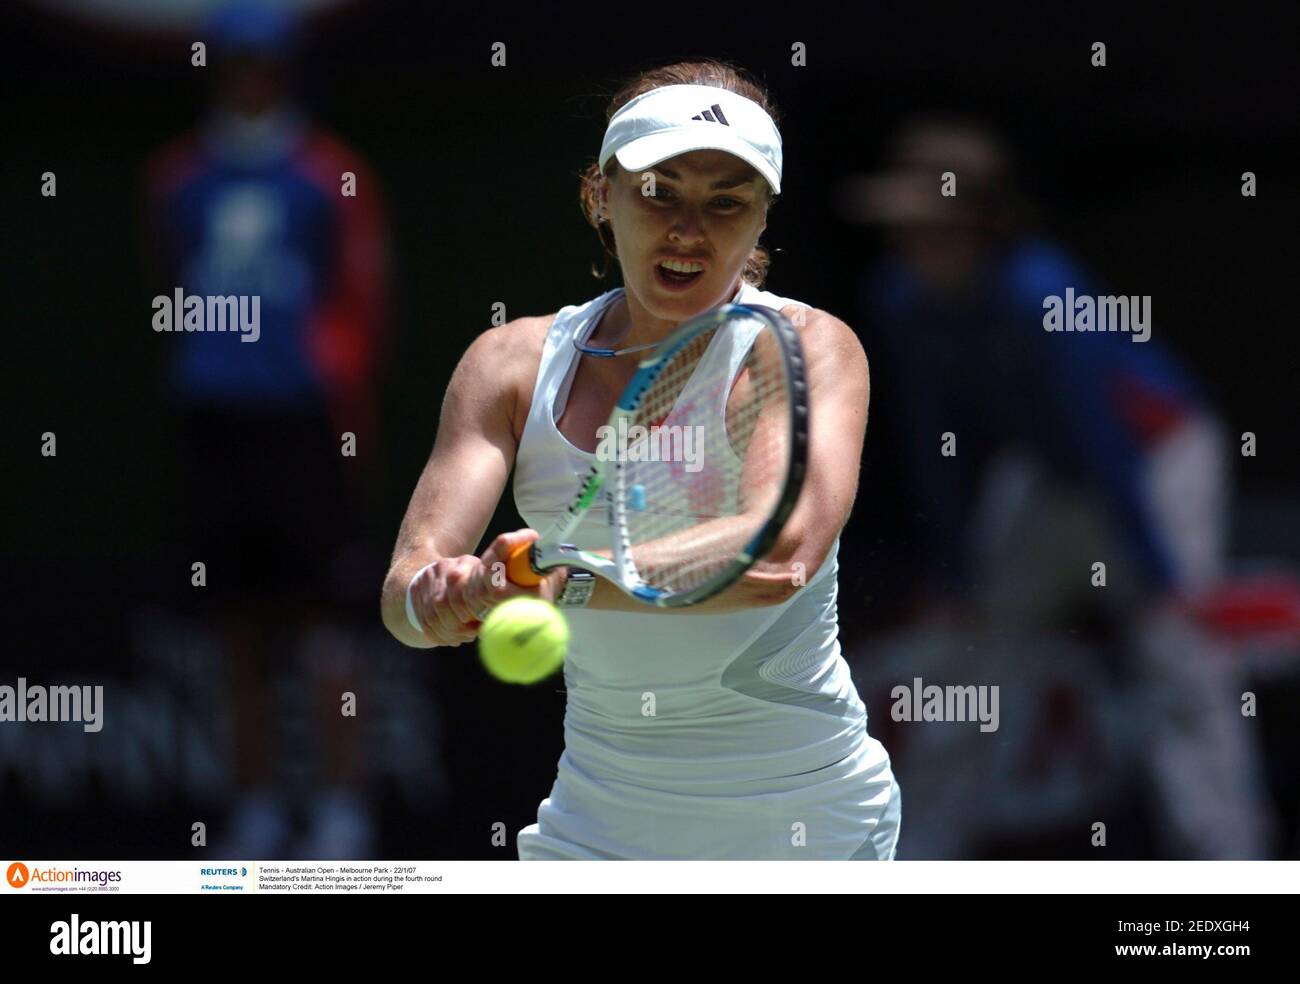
519, 567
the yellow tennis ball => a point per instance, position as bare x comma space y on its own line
523, 640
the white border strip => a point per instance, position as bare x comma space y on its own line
708, 877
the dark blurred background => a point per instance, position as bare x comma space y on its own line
1136, 166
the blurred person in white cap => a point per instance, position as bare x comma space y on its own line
765, 753
956, 306
1087, 444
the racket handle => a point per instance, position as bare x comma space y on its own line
519, 567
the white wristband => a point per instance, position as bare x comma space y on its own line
410, 605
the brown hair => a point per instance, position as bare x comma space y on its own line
703, 72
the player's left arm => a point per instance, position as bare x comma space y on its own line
839, 390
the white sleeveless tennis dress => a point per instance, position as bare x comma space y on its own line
692, 736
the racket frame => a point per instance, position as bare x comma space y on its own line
553, 550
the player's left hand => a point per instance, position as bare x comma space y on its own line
490, 586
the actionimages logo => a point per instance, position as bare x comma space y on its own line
53, 879
17, 876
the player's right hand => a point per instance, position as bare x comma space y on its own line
438, 597
454, 594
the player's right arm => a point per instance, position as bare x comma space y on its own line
458, 492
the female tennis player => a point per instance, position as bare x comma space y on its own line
726, 730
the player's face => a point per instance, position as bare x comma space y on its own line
701, 213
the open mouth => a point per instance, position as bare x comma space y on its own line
678, 274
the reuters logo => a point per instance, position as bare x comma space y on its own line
17, 875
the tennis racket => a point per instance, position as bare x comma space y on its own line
700, 466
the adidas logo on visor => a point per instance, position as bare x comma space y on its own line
713, 115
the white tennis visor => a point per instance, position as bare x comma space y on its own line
676, 119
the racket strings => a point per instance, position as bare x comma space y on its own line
713, 459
